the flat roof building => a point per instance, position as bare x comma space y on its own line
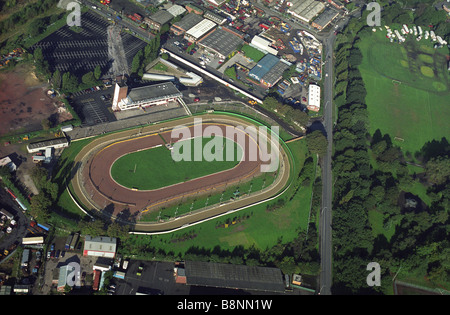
176, 10
192, 8
216, 18
263, 45
306, 10
314, 98
234, 276
275, 73
57, 143
263, 67
325, 18
186, 23
221, 42
200, 30
101, 246
146, 96
8, 163
158, 19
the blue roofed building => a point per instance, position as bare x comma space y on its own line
263, 67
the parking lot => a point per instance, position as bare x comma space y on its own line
94, 107
82, 50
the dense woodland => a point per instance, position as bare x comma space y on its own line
372, 174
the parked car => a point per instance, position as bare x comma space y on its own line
140, 269
196, 99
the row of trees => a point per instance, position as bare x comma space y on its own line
146, 55
299, 256
67, 82
371, 175
25, 14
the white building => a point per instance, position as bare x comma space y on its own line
201, 29
176, 10
146, 96
314, 98
101, 246
263, 44
54, 143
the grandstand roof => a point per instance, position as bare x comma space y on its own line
234, 276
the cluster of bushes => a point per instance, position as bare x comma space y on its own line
370, 174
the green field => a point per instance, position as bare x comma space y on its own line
407, 90
155, 168
254, 226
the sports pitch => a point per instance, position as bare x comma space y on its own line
408, 90
155, 168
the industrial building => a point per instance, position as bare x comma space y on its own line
186, 23
275, 74
216, 3
305, 10
192, 8
263, 45
263, 67
221, 42
192, 79
101, 246
314, 98
325, 18
200, 30
176, 10
216, 18
218, 275
146, 96
158, 19
8, 163
42, 145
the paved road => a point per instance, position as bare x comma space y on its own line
327, 176
105, 10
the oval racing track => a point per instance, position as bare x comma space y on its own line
94, 187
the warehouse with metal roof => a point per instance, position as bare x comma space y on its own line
275, 73
234, 276
325, 18
263, 67
201, 29
101, 246
305, 10
221, 42
186, 23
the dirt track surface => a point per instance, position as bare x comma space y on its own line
95, 188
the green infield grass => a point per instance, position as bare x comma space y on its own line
407, 90
255, 226
155, 168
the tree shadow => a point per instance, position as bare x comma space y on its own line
432, 149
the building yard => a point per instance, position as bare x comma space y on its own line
407, 90
24, 102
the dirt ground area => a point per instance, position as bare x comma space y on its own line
24, 102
